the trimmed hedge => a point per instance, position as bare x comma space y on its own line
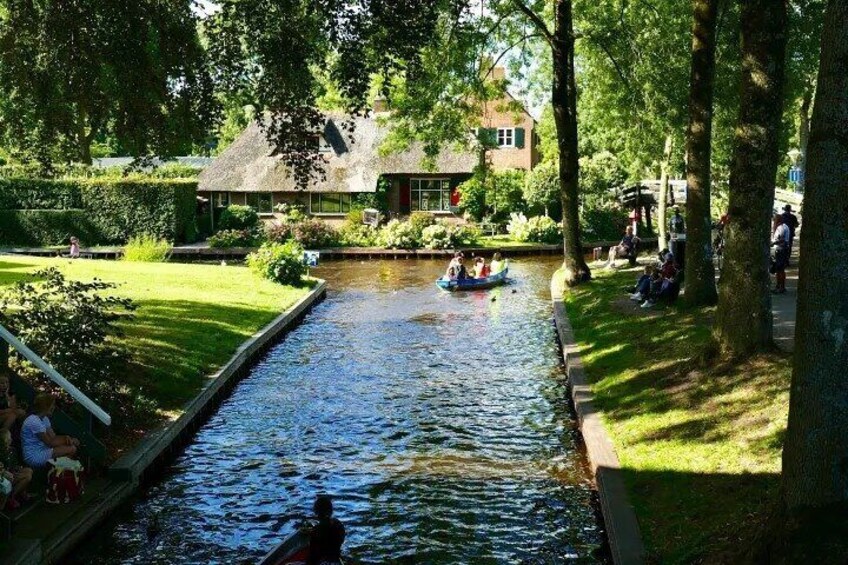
115, 210
39, 194
33, 228
163, 209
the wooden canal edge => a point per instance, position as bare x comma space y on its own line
622, 527
128, 473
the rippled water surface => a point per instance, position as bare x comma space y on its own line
438, 422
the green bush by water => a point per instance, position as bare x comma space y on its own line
36, 228
236, 217
146, 248
232, 238
279, 262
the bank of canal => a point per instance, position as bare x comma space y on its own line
438, 421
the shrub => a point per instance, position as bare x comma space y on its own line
47, 227
602, 224
232, 238
291, 213
72, 326
466, 234
398, 235
437, 236
147, 249
236, 217
538, 229
277, 232
279, 262
39, 194
419, 221
314, 233
356, 234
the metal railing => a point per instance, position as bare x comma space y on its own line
54, 376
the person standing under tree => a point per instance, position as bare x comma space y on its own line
790, 220
677, 233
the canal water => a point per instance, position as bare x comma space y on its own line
438, 422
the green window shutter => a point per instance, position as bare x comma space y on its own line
519, 138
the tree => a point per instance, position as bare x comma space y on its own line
700, 275
541, 191
72, 71
744, 317
814, 513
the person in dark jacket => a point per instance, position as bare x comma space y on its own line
327, 537
790, 220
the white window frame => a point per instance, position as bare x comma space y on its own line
507, 133
315, 203
444, 193
219, 198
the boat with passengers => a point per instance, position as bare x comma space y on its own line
497, 279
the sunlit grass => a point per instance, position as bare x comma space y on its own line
190, 318
498, 241
699, 439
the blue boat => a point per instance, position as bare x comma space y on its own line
474, 284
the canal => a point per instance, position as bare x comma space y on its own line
439, 423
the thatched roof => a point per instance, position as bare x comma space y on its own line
249, 166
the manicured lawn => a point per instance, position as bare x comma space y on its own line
496, 241
699, 439
190, 318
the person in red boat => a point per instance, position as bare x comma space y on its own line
327, 537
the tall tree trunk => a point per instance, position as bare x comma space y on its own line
804, 133
700, 274
663, 204
812, 524
564, 101
744, 317
815, 459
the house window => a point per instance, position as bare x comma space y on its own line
506, 137
261, 202
431, 195
329, 203
221, 199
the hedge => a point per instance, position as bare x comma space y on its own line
39, 194
33, 228
115, 209
164, 209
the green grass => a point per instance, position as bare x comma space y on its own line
190, 318
699, 439
499, 241
147, 249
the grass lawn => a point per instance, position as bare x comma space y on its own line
498, 241
190, 318
699, 439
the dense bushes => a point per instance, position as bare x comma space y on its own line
279, 262
538, 229
602, 224
32, 228
114, 210
236, 217
356, 234
443, 235
232, 238
398, 235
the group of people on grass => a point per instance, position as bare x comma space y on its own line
784, 227
37, 443
457, 271
660, 282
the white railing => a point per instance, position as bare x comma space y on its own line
54, 375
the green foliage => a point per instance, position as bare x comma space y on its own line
72, 326
225, 239
83, 71
538, 229
472, 197
314, 233
279, 262
398, 235
354, 233
164, 209
495, 194
600, 175
147, 249
36, 228
39, 194
542, 189
291, 213
78, 171
448, 236
419, 221
602, 224
237, 217
378, 200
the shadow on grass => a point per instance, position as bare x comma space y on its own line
176, 344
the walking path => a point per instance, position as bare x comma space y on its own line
785, 308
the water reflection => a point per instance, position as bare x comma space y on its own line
437, 420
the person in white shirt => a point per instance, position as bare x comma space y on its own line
39, 443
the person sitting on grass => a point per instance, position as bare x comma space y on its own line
17, 474
643, 285
9, 410
666, 286
625, 248
74, 251
39, 442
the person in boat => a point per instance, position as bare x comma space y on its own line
327, 537
458, 265
497, 264
481, 270
450, 275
